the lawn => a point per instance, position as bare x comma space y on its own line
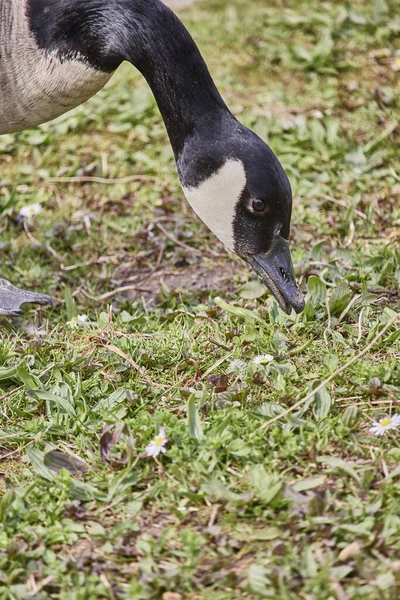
272, 484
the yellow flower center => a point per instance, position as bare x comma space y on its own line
385, 422
158, 440
73, 321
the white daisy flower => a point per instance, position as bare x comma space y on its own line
29, 211
236, 365
263, 359
77, 321
157, 445
379, 427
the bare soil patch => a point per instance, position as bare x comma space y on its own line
204, 276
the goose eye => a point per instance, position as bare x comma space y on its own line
258, 205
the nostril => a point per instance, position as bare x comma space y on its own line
284, 275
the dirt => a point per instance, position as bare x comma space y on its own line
204, 276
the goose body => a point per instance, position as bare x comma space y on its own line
55, 54
37, 86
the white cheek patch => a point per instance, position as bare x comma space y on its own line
215, 199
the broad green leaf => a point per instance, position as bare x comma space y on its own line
322, 402
8, 373
265, 485
308, 484
331, 361
364, 528
258, 582
193, 419
339, 463
238, 447
110, 402
70, 306
37, 460
243, 313
301, 53
381, 11
332, 125
340, 572
84, 491
340, 298
317, 131
393, 474
252, 289
351, 415
310, 564
316, 291
27, 378
21, 373
216, 490
356, 158
62, 402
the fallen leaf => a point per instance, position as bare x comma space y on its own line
218, 382
349, 551
113, 436
56, 460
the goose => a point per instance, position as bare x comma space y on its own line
55, 54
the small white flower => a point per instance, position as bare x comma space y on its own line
379, 427
157, 445
263, 359
30, 211
236, 365
77, 321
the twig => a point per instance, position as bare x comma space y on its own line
193, 362
11, 392
219, 344
36, 587
107, 584
30, 236
344, 205
177, 242
351, 234
216, 364
333, 375
348, 307
107, 295
394, 174
360, 326
339, 591
20, 387
213, 516
384, 291
328, 327
106, 180
129, 359
4, 456
7, 395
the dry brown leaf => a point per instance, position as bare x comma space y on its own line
349, 551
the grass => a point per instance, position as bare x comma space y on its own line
306, 507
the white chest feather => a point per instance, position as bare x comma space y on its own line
36, 86
215, 199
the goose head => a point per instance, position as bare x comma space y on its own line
239, 189
231, 178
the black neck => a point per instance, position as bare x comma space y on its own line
150, 36
164, 52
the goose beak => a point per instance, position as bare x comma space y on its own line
276, 270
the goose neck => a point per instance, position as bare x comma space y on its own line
164, 52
